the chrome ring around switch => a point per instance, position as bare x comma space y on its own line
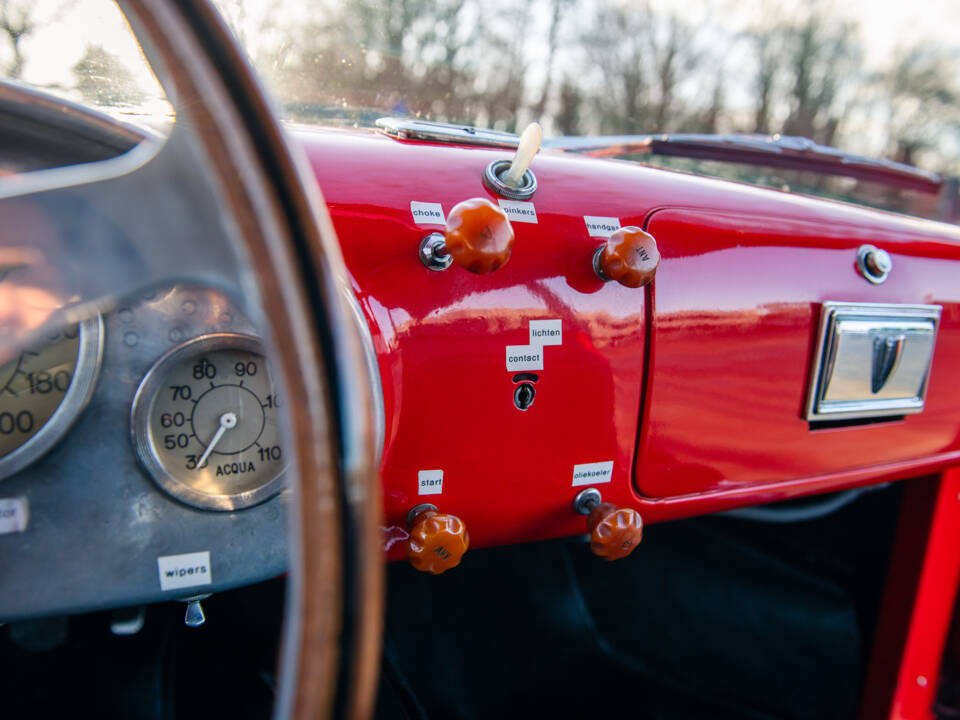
492, 178
873, 263
586, 500
597, 267
433, 252
416, 510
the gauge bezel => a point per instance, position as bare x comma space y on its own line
146, 450
75, 400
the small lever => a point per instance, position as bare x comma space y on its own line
194, 615
528, 146
614, 531
437, 540
513, 179
478, 237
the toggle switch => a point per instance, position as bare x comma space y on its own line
478, 238
630, 256
194, 615
614, 531
513, 179
437, 540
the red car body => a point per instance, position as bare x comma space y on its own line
694, 386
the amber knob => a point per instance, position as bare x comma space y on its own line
478, 237
630, 257
614, 531
437, 540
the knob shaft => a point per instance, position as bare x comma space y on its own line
437, 541
614, 531
630, 257
479, 236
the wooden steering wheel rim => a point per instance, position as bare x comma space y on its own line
331, 646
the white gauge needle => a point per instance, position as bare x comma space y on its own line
227, 421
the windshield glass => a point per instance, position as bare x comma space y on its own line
83, 52
877, 78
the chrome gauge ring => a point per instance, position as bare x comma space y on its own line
44, 390
206, 425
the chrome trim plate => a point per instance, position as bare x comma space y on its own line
412, 129
493, 179
872, 360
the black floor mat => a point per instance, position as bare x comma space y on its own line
709, 618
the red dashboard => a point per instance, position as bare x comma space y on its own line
681, 398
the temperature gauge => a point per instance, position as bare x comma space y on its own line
206, 425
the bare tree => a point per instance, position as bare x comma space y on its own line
823, 54
921, 95
103, 80
767, 46
567, 117
639, 61
674, 56
617, 50
376, 56
558, 11
709, 119
17, 22
610, 66
806, 71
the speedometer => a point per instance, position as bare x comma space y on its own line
205, 423
44, 390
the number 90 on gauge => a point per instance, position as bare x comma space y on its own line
205, 423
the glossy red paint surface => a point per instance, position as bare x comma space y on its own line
737, 304
740, 265
918, 605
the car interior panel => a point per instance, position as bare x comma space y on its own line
399, 417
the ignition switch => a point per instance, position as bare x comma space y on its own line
523, 395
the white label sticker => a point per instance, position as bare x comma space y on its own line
518, 211
593, 473
601, 226
13, 515
546, 332
524, 357
183, 571
430, 482
427, 213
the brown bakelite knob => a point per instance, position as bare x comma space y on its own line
614, 532
437, 541
630, 257
479, 237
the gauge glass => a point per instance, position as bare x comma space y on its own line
206, 423
44, 389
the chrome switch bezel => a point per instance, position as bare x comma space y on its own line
886, 317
